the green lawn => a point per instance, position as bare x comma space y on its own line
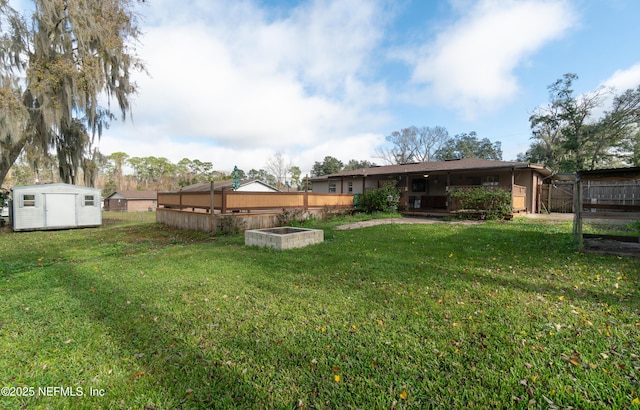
496, 315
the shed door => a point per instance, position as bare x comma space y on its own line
60, 210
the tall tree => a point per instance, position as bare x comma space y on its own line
428, 142
119, 160
413, 144
296, 174
356, 164
329, 165
403, 146
614, 138
57, 68
562, 129
568, 137
152, 172
92, 167
469, 146
278, 166
262, 175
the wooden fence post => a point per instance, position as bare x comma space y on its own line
212, 220
577, 215
224, 201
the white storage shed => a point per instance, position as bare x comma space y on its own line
54, 206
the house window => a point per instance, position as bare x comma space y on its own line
89, 200
350, 187
332, 187
490, 180
28, 200
418, 185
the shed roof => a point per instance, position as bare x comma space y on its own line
53, 186
625, 174
464, 164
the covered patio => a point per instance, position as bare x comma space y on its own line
426, 186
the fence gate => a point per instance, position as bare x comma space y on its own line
556, 197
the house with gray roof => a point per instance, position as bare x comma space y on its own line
424, 186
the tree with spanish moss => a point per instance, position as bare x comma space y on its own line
61, 70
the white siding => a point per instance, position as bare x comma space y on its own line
255, 187
55, 206
60, 209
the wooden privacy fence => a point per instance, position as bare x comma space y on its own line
235, 201
235, 210
609, 194
556, 197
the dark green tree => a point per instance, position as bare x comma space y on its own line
152, 172
355, 164
296, 173
262, 175
119, 160
469, 146
329, 165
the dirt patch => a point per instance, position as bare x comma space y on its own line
374, 222
612, 247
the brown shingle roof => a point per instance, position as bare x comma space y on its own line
135, 194
465, 164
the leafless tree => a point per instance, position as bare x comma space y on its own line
412, 144
278, 166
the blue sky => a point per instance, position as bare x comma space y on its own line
234, 82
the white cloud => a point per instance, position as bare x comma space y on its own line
619, 82
623, 80
470, 65
224, 158
232, 79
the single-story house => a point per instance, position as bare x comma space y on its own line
424, 186
54, 206
131, 201
248, 185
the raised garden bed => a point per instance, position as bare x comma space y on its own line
283, 238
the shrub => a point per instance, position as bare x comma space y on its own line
232, 225
490, 203
381, 199
291, 217
330, 212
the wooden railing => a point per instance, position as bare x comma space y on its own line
229, 201
518, 198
